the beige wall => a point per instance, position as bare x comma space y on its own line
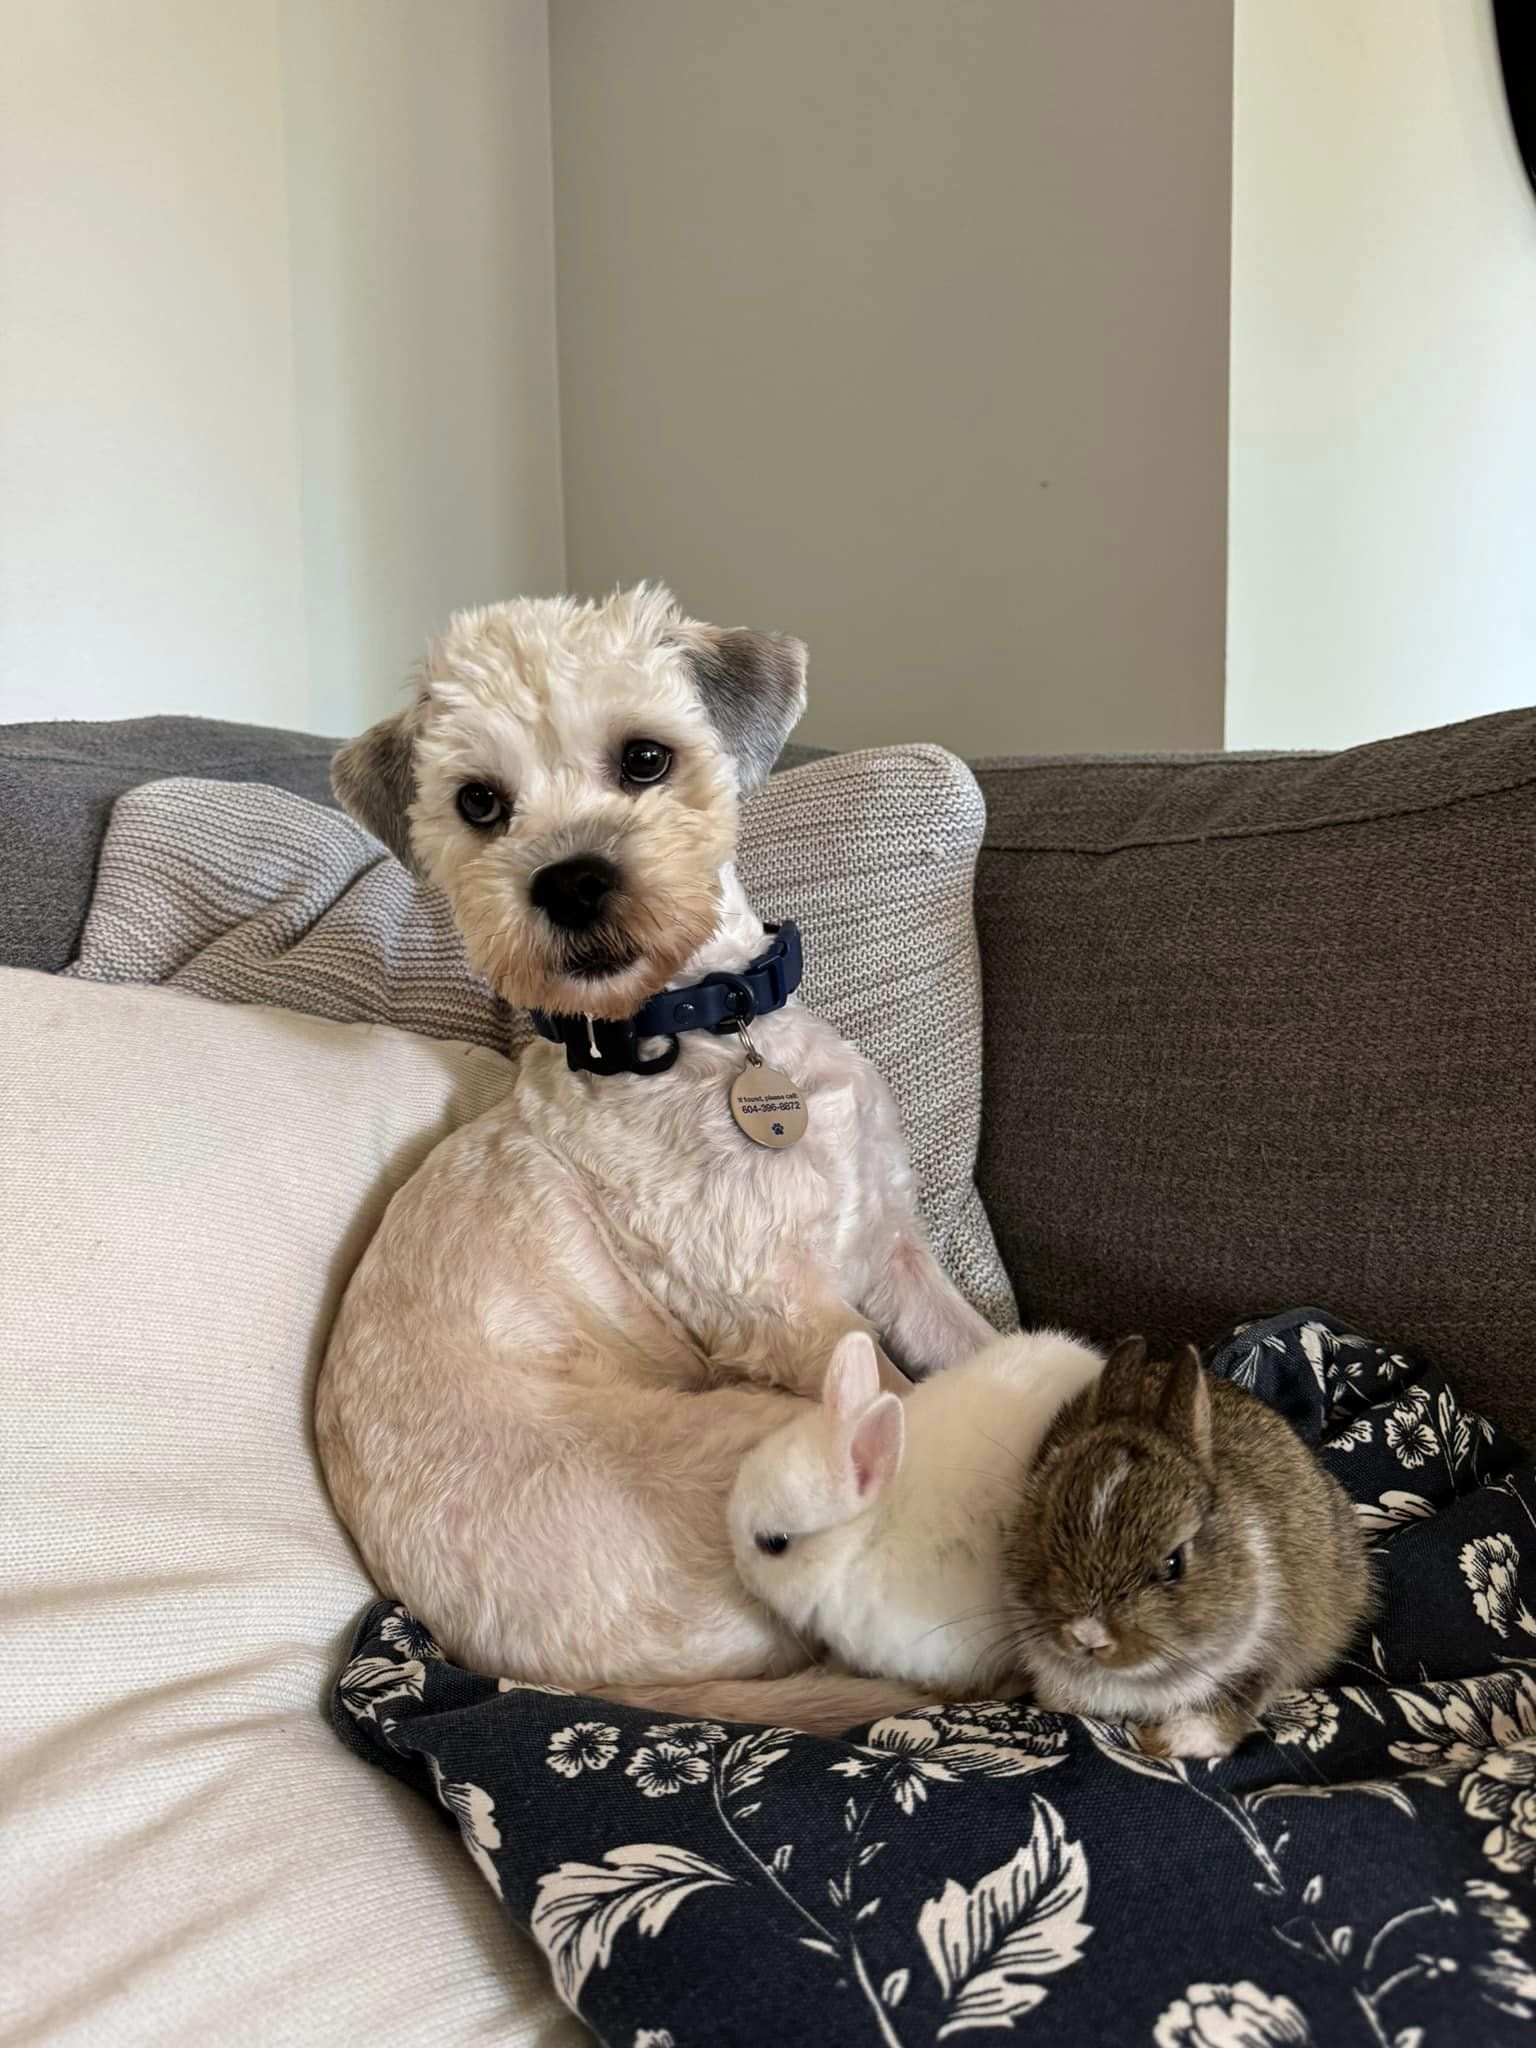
277, 374
1383, 482
904, 326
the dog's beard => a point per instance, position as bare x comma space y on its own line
607, 971
661, 915
601, 954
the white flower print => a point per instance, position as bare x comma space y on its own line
1495, 1905
1508, 1982
909, 1748
1317, 1344
581, 1907
654, 2037
1503, 1790
584, 1746
751, 1757
403, 1632
475, 1812
1462, 1722
662, 1767
1001, 1714
1491, 1567
1028, 1729
916, 1751
1408, 1433
1394, 1510
562, 1692
368, 1682
1242, 1366
1323, 1350
1309, 1717
1114, 1740
1231, 2016
1357, 1432
1021, 1921
688, 1734
1382, 1367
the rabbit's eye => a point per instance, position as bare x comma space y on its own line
772, 1543
1171, 1570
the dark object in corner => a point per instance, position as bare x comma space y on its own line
1515, 22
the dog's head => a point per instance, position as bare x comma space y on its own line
570, 775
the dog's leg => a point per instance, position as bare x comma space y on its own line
925, 1324
815, 1702
791, 1348
832, 1321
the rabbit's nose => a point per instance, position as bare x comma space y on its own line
1088, 1634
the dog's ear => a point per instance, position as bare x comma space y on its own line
374, 780
753, 687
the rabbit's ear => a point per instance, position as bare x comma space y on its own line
872, 1448
1123, 1385
864, 1429
852, 1378
1185, 1408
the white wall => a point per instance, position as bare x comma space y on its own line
150, 547
904, 326
277, 373
1382, 569
421, 223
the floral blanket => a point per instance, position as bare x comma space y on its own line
1363, 1875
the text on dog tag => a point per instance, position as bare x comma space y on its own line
767, 1106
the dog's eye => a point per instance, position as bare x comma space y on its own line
644, 761
772, 1543
480, 805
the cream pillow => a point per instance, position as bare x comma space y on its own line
189, 1855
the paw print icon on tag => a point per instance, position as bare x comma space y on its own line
767, 1105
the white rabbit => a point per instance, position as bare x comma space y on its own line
874, 1524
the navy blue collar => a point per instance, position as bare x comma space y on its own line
718, 1003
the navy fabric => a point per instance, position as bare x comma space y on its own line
1362, 1873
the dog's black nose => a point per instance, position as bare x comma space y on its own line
574, 893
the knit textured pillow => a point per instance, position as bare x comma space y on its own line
247, 894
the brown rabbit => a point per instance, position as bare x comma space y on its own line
1179, 1558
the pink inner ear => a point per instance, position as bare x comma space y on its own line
852, 1376
874, 1449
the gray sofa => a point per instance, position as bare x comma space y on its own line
1259, 1028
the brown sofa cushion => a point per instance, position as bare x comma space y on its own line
1261, 1032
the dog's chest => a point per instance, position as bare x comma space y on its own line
695, 1202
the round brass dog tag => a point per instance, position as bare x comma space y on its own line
768, 1107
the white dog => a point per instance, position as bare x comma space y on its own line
588, 1305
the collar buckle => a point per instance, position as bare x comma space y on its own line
602, 1045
